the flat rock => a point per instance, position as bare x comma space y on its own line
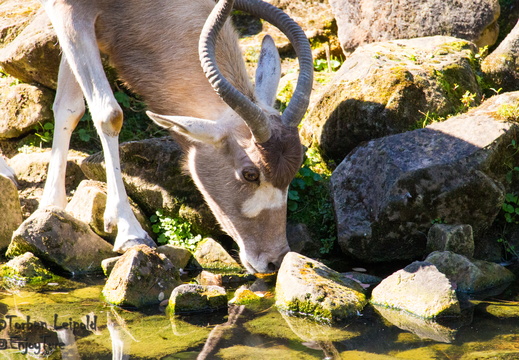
141, 277
419, 289
60, 240
309, 288
189, 298
470, 276
10, 207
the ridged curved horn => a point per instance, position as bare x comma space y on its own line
252, 114
297, 106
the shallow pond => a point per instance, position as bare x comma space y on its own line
69, 320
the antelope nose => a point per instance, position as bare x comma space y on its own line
275, 265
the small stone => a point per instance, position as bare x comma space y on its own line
27, 267
209, 278
188, 298
455, 238
139, 277
177, 255
211, 255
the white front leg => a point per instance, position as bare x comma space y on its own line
118, 210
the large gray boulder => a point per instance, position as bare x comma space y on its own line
60, 240
387, 192
154, 179
309, 288
502, 65
365, 21
388, 88
23, 107
10, 210
34, 55
419, 289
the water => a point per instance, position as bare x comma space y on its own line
70, 321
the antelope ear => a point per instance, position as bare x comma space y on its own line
268, 72
206, 131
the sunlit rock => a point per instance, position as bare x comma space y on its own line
456, 238
307, 287
23, 107
419, 289
34, 54
197, 298
141, 277
27, 268
389, 191
31, 171
366, 21
57, 238
211, 255
388, 88
470, 276
502, 65
88, 205
178, 256
11, 210
154, 179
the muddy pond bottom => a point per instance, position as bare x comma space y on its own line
69, 320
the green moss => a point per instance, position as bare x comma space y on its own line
508, 112
309, 308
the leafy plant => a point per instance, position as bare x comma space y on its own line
332, 64
309, 200
175, 231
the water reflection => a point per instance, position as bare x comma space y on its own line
60, 325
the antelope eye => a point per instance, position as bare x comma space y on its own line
250, 174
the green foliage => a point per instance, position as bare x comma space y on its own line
509, 112
332, 64
309, 200
46, 132
175, 231
510, 207
136, 126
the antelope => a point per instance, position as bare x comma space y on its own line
240, 152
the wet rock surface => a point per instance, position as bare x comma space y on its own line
27, 267
188, 298
305, 286
60, 240
141, 277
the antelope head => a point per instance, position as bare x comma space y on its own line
244, 162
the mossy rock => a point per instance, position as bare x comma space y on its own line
308, 288
189, 298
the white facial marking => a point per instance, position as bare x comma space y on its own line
266, 197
